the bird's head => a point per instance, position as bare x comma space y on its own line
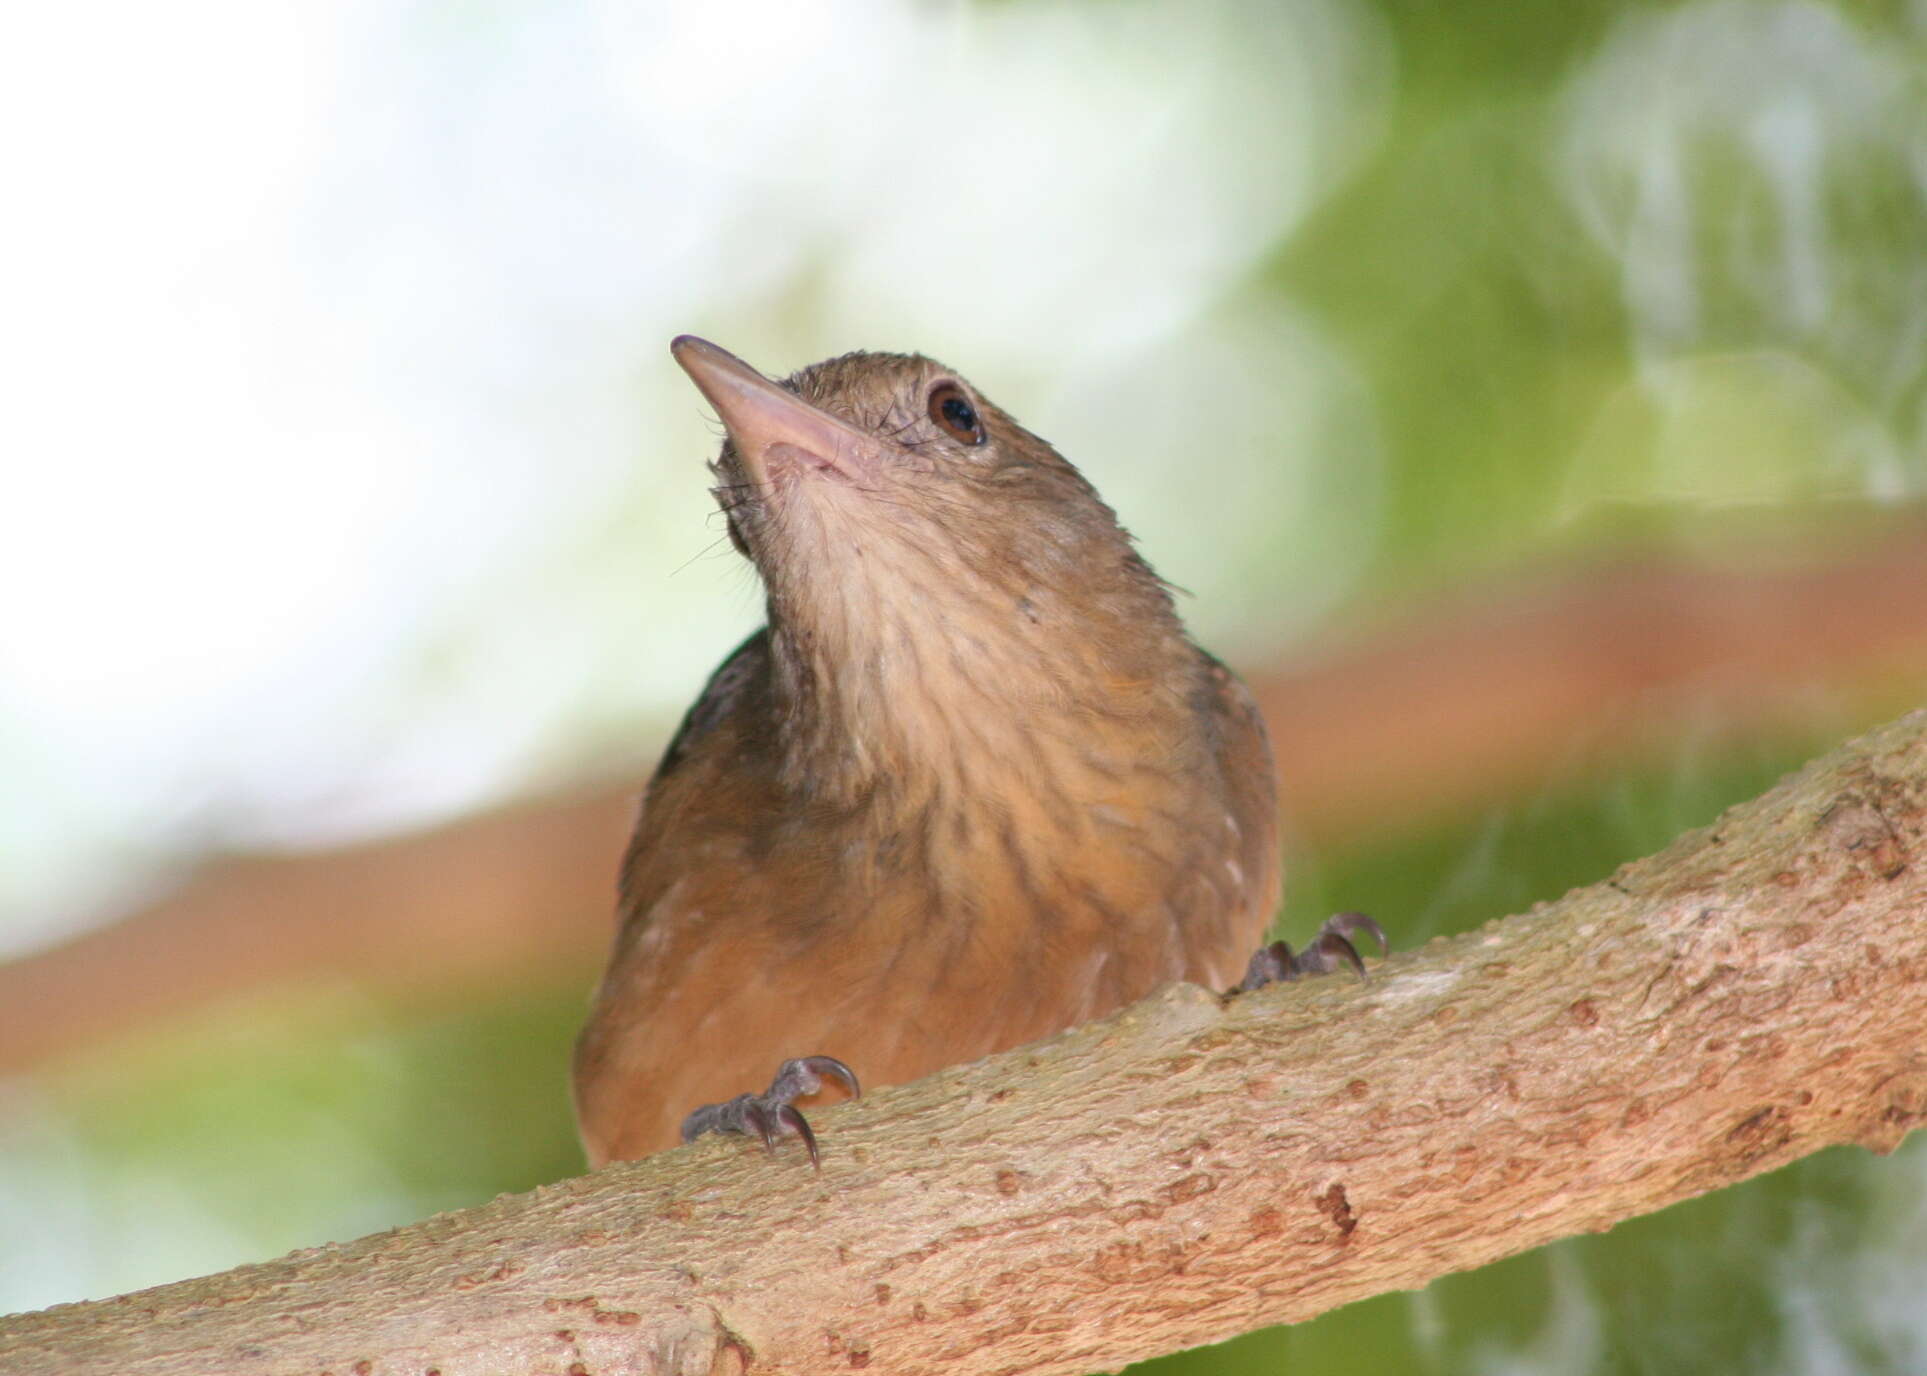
891, 478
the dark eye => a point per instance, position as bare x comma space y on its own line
951, 410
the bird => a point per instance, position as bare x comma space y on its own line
971, 784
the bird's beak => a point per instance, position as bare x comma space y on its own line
772, 427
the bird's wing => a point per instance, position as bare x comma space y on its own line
742, 669
1251, 791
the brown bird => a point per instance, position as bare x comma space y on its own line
972, 784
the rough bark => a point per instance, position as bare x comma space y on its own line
1192, 1168
1458, 703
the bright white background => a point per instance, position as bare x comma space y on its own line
348, 480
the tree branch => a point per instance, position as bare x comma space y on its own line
1193, 1167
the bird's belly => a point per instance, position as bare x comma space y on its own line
892, 991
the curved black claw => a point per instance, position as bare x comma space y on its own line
1327, 951
771, 1114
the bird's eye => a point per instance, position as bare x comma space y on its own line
952, 411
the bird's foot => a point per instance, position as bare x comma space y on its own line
1327, 951
773, 1113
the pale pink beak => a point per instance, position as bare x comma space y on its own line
773, 428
